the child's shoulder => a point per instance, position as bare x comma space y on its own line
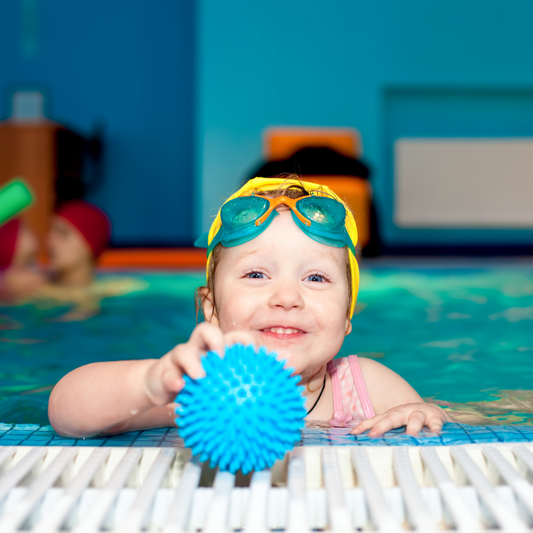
345, 366
346, 360
367, 365
340, 364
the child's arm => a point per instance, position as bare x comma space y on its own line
396, 403
120, 396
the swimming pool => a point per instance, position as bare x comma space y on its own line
459, 333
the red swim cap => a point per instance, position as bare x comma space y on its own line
90, 221
8, 241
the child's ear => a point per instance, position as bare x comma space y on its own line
208, 307
348, 326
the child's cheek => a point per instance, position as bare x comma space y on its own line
232, 315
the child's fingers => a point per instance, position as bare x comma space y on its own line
173, 381
366, 425
414, 420
388, 422
415, 423
435, 426
207, 337
162, 386
435, 422
186, 360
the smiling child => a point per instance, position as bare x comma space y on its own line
281, 273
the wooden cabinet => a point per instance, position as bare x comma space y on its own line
41, 153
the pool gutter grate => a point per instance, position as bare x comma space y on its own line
466, 488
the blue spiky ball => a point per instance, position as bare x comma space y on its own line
245, 413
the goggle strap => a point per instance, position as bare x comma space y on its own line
289, 202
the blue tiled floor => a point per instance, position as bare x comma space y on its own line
30, 435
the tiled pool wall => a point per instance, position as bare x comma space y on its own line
451, 435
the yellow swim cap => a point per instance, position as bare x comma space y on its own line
273, 184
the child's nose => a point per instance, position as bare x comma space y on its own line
286, 295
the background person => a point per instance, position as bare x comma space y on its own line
19, 275
78, 234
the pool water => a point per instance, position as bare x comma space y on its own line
462, 336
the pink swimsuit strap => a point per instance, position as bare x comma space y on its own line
343, 416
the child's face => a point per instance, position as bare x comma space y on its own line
289, 291
66, 246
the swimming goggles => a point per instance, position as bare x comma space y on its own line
245, 217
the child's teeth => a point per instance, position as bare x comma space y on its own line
281, 331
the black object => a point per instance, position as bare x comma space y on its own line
319, 396
69, 163
315, 162
74, 154
323, 161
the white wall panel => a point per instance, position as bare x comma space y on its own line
463, 183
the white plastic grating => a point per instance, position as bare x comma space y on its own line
348, 488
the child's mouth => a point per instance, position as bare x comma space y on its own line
282, 333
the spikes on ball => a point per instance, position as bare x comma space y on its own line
245, 413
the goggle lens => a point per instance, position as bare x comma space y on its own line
236, 215
324, 211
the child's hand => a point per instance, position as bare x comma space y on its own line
412, 415
164, 378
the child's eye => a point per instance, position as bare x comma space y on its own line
255, 275
316, 278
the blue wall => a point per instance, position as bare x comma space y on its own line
129, 66
344, 63
177, 147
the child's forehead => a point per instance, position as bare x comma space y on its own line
328, 253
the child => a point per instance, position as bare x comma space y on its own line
78, 234
281, 273
19, 278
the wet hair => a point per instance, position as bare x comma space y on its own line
292, 191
